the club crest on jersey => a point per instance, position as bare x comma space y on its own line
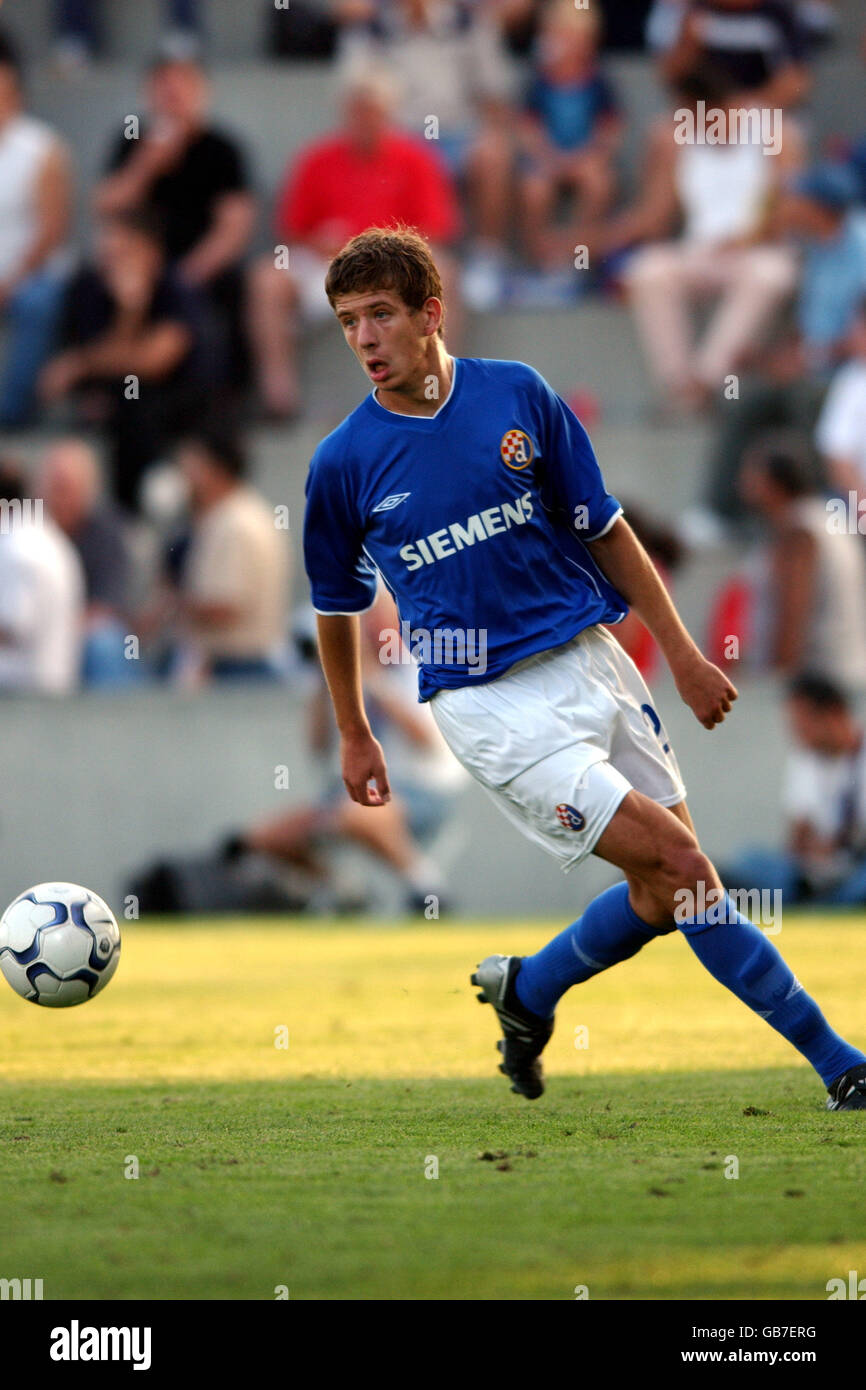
516, 450
568, 817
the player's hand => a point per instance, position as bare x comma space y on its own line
364, 774
707, 691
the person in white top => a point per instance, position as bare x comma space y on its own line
841, 430
35, 200
713, 170
823, 802
41, 597
234, 583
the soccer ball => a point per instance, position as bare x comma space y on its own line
59, 944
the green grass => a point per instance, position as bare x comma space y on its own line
305, 1167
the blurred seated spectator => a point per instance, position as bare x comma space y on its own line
570, 130
455, 84
841, 430
78, 31
666, 552
719, 194
425, 780
193, 174
229, 598
366, 174
819, 212
823, 802
134, 350
809, 586
69, 484
35, 196
761, 45
41, 596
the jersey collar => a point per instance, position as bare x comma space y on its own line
425, 421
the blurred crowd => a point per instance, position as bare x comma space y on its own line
496, 128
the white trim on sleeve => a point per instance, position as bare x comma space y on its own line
605, 528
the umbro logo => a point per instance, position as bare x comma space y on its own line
389, 503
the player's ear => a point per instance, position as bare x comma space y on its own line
433, 310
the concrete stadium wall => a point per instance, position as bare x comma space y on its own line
93, 786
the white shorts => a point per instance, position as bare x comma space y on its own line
560, 739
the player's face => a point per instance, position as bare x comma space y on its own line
387, 337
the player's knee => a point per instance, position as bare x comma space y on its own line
682, 867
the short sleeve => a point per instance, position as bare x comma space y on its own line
298, 203
342, 579
228, 172
808, 793
838, 432
571, 480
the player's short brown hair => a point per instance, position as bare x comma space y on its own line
394, 258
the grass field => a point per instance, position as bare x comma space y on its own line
304, 1165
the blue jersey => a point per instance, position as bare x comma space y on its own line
475, 517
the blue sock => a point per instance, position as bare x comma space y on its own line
740, 956
609, 931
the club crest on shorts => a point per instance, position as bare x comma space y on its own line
516, 450
569, 817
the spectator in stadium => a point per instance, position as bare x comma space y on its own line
719, 193
425, 782
455, 84
193, 175
229, 601
69, 485
368, 173
35, 197
569, 134
819, 212
78, 31
133, 350
41, 596
823, 801
841, 430
809, 599
761, 46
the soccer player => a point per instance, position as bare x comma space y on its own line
474, 491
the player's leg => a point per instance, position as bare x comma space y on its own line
538, 187
273, 305
612, 928
643, 841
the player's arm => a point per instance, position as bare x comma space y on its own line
361, 756
623, 560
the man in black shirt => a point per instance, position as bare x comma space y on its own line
135, 353
194, 176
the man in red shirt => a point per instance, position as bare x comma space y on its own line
368, 173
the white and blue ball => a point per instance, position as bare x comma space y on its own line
59, 944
